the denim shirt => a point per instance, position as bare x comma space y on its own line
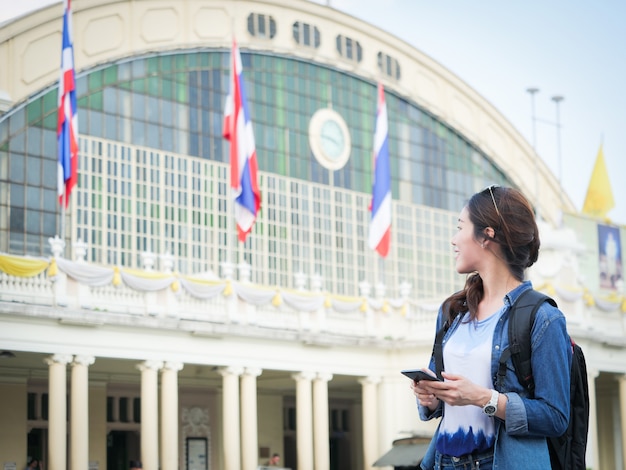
521, 437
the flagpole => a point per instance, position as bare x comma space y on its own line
243, 162
231, 228
380, 207
67, 130
63, 212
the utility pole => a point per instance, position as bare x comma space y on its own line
557, 99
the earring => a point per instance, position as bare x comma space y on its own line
482, 245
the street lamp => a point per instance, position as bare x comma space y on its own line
533, 91
557, 99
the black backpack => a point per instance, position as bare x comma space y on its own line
567, 452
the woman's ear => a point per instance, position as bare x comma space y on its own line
489, 233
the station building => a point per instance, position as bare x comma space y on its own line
134, 325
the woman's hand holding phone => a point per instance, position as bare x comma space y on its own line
420, 374
425, 396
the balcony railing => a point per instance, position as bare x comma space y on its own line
77, 292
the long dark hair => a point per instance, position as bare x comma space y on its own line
511, 217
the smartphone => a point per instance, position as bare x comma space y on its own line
419, 374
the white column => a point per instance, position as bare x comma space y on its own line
622, 407
304, 420
249, 419
593, 452
57, 411
370, 420
169, 415
149, 413
79, 415
321, 439
392, 402
230, 417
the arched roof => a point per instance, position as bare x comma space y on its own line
106, 30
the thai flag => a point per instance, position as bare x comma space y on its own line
67, 128
243, 163
380, 225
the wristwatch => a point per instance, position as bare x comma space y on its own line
492, 406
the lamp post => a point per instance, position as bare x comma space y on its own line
557, 100
533, 91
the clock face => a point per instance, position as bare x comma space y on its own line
332, 139
329, 139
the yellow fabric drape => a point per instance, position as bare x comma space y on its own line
53, 269
22, 267
117, 277
146, 274
228, 290
277, 300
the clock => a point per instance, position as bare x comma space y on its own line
329, 139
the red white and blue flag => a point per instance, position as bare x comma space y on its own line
380, 225
67, 128
243, 163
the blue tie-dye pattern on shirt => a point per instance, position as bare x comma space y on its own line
462, 443
467, 429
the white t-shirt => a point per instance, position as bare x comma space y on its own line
467, 429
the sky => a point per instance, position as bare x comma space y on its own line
569, 48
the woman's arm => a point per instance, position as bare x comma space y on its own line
547, 412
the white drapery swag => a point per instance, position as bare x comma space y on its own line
149, 281
303, 302
569, 295
202, 289
607, 305
254, 295
95, 276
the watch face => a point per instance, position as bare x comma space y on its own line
490, 410
329, 139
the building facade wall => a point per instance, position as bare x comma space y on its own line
154, 188
135, 28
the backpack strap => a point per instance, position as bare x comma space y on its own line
438, 346
438, 350
521, 320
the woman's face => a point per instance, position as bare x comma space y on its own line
467, 250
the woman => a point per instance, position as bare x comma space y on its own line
483, 426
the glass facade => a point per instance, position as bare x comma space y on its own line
153, 172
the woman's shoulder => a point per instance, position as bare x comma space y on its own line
550, 323
548, 310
